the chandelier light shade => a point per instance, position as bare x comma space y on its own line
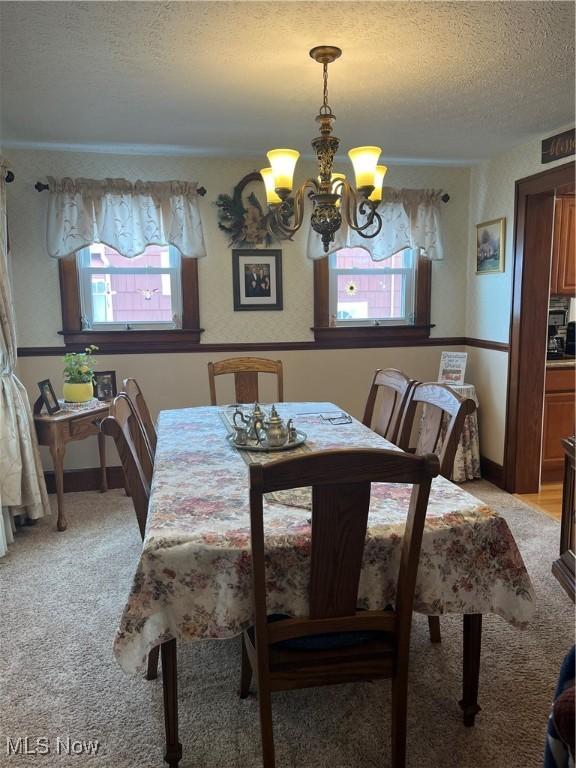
364, 160
283, 162
268, 177
333, 198
379, 174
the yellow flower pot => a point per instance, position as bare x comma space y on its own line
78, 393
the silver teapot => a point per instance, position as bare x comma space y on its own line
273, 431
253, 422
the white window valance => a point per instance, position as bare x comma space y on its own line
410, 219
127, 216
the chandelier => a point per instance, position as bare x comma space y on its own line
333, 197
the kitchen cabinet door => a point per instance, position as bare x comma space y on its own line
559, 412
563, 278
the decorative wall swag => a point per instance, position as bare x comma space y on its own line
127, 216
244, 220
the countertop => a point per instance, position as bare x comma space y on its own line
567, 362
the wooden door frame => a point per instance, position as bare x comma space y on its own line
527, 355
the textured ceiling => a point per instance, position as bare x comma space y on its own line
434, 80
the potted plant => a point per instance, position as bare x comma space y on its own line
79, 375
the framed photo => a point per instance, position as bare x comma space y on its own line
490, 246
48, 396
452, 367
105, 385
257, 279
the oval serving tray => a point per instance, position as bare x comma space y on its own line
264, 448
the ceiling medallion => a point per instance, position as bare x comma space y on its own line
333, 197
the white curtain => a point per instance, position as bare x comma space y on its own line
410, 219
22, 488
124, 215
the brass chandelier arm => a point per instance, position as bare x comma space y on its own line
351, 207
280, 222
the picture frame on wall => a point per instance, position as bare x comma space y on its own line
490, 246
257, 279
105, 385
48, 396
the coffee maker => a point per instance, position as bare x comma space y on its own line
555, 348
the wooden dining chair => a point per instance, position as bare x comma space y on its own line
440, 404
123, 409
246, 370
132, 389
394, 387
335, 643
122, 424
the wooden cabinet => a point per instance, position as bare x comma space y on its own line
559, 414
563, 277
565, 567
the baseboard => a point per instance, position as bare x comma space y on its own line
85, 479
553, 472
492, 472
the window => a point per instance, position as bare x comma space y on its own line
367, 292
119, 294
359, 302
146, 304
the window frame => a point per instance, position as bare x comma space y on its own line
85, 273
129, 341
372, 335
409, 273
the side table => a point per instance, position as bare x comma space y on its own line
65, 427
467, 459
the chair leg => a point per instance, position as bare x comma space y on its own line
170, 683
246, 672
399, 712
266, 729
434, 628
152, 671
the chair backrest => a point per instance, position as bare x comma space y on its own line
395, 387
245, 370
132, 389
341, 483
120, 426
440, 402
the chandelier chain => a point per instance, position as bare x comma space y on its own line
325, 108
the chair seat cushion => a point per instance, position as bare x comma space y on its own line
324, 642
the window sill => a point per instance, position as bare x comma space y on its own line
129, 342
371, 335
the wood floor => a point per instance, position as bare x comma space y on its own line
549, 500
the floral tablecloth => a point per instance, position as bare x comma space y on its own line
193, 579
467, 459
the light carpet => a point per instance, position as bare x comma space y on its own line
61, 595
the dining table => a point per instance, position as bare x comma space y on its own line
193, 577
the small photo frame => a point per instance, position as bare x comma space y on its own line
48, 396
257, 279
490, 246
105, 385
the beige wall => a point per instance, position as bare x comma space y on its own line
462, 302
492, 193
179, 380
489, 297
36, 275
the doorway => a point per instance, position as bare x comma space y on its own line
533, 234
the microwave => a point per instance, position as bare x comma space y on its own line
557, 317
